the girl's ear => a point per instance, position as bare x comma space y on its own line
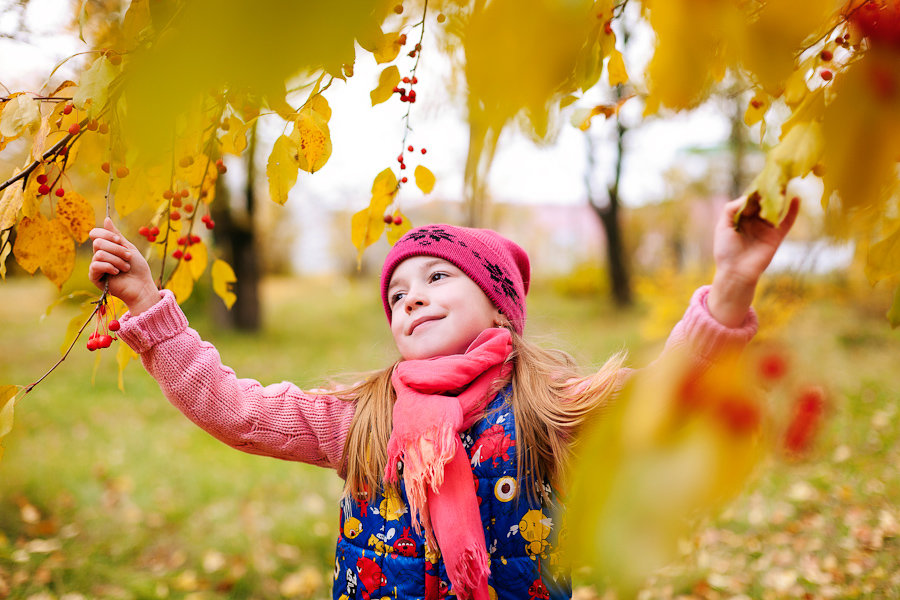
499, 319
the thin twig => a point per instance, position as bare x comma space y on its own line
99, 303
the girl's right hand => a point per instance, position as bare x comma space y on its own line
118, 263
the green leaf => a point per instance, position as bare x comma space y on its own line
94, 86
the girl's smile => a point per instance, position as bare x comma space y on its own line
436, 309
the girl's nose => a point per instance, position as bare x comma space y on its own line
414, 299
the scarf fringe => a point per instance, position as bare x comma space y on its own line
469, 573
424, 456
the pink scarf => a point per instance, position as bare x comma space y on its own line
437, 398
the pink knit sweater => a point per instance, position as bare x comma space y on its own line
283, 421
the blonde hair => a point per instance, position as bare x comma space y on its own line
550, 403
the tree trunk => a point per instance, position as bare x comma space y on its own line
235, 236
608, 213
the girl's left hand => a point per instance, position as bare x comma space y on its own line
741, 256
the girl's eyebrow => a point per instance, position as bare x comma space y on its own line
427, 265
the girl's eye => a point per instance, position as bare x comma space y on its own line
437, 275
396, 297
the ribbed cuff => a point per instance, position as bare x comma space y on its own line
158, 323
709, 337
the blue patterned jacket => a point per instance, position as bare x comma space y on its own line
379, 555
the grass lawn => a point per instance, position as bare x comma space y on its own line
105, 494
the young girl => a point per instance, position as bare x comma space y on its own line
452, 456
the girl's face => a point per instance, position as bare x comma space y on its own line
436, 310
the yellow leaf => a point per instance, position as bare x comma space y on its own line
319, 104
313, 139
40, 139
616, 69
770, 184
77, 215
124, 355
424, 179
93, 90
75, 324
7, 407
367, 225
29, 245
20, 114
893, 313
756, 108
282, 168
181, 282
800, 149
883, 259
142, 189
395, 232
5, 249
136, 20
223, 282
10, 204
796, 87
234, 141
387, 48
387, 81
199, 260
58, 258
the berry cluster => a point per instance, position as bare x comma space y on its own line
101, 337
185, 242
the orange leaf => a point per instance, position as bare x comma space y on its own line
77, 214
29, 246
58, 258
313, 139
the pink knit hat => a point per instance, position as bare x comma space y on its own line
497, 265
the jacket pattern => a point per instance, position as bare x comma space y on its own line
380, 555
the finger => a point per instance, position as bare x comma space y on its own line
108, 224
113, 246
116, 261
788, 221
98, 270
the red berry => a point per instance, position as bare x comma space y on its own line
167, 194
182, 241
144, 231
410, 148
388, 219
400, 159
210, 224
188, 208
42, 178
398, 220
414, 80
221, 168
423, 150
74, 128
772, 366
43, 189
405, 80
67, 109
204, 218
185, 193
151, 238
114, 325
826, 55
122, 172
60, 192
175, 215
826, 75
92, 125
154, 231
195, 239
92, 344
105, 167
404, 98
187, 256
404, 180
177, 254
176, 202
412, 95
402, 165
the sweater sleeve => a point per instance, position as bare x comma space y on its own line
706, 339
279, 420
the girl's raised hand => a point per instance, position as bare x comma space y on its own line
118, 263
741, 256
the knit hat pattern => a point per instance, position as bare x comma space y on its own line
497, 265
